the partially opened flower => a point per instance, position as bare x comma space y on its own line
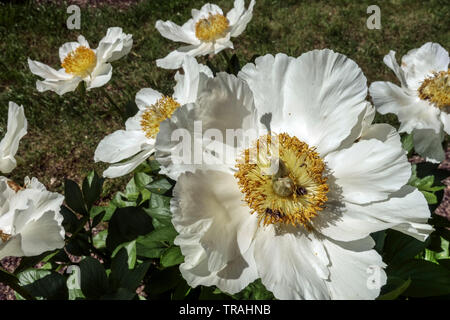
81, 63
209, 31
302, 226
422, 103
30, 219
16, 129
126, 149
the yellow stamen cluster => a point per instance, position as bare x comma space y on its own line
157, 113
212, 28
305, 172
4, 236
436, 89
80, 62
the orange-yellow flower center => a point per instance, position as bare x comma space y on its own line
211, 28
436, 89
295, 192
157, 113
80, 62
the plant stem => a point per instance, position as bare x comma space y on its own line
111, 100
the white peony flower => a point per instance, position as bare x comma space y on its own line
209, 31
305, 228
16, 129
422, 103
30, 219
126, 149
81, 63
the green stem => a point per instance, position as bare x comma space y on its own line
12, 281
226, 57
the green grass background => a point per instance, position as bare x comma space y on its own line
64, 131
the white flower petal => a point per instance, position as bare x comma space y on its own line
60, 86
185, 91
355, 271
238, 18
369, 171
114, 45
11, 248
122, 168
412, 112
445, 118
405, 210
206, 10
46, 72
428, 144
291, 265
421, 63
223, 104
100, 76
391, 62
174, 32
121, 145
16, 129
208, 205
42, 235
318, 97
174, 59
147, 97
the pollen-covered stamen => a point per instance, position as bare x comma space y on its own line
295, 192
80, 62
4, 236
436, 89
157, 113
211, 28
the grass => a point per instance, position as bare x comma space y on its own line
64, 131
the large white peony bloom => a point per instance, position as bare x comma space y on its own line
422, 103
126, 149
209, 31
30, 219
16, 129
81, 63
305, 228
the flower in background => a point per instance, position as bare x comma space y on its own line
304, 229
126, 149
30, 219
81, 63
422, 103
209, 31
16, 129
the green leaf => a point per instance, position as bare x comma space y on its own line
160, 186
127, 224
142, 179
74, 197
181, 291
92, 188
172, 257
163, 280
94, 282
254, 291
149, 249
44, 283
408, 142
399, 247
162, 234
430, 197
427, 279
394, 294
100, 239
70, 222
130, 248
